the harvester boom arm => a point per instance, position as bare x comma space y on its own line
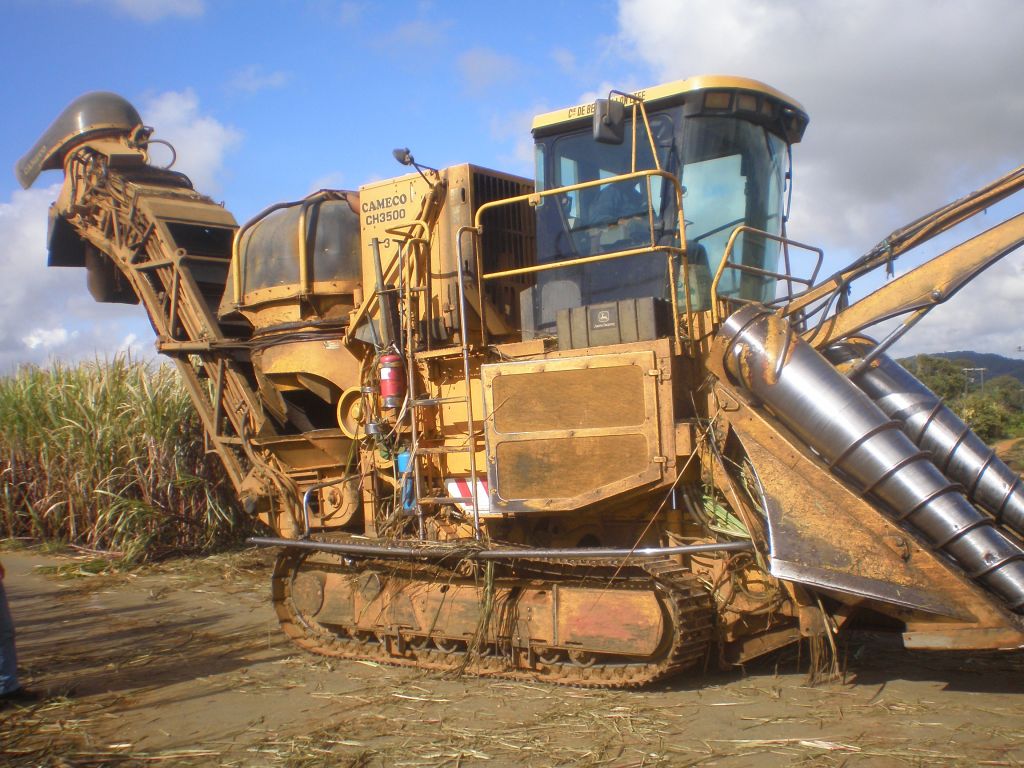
820, 298
925, 287
144, 234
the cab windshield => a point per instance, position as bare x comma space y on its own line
732, 173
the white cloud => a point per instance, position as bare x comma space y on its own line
132, 346
482, 68
201, 141
602, 90
331, 180
513, 129
154, 10
912, 104
982, 317
47, 312
253, 79
565, 60
417, 34
48, 338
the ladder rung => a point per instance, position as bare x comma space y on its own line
154, 264
429, 401
442, 449
157, 263
224, 260
443, 352
446, 500
183, 347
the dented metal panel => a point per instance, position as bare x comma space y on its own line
567, 432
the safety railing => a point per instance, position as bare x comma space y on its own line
787, 277
672, 253
392, 270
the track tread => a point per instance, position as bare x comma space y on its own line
689, 605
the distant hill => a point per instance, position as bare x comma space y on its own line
996, 365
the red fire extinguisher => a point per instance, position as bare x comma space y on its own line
392, 380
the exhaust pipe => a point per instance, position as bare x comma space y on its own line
841, 423
958, 453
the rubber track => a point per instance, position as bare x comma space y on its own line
690, 608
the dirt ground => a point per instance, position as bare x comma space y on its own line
183, 664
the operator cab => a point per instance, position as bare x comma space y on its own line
720, 145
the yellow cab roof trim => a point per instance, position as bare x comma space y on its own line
666, 90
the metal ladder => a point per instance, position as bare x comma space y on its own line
418, 451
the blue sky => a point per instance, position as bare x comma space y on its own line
912, 104
314, 90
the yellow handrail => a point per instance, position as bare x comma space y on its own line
725, 263
534, 199
582, 260
390, 272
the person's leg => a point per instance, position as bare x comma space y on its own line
8, 656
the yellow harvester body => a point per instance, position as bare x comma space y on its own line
596, 428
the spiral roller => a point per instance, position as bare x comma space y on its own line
858, 440
954, 448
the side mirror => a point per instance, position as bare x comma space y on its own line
609, 121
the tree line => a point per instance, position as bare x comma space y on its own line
993, 408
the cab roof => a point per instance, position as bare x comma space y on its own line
723, 95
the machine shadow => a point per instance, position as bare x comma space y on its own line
870, 660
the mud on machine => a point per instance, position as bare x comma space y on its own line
596, 428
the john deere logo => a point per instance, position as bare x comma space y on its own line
605, 317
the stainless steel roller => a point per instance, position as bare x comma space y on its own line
842, 424
959, 453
